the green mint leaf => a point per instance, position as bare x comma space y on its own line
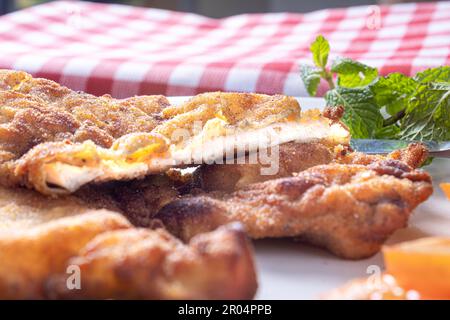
311, 78
439, 74
320, 49
428, 113
362, 115
393, 92
388, 132
352, 74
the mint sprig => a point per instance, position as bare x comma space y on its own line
428, 113
390, 107
311, 75
320, 49
311, 78
352, 74
362, 115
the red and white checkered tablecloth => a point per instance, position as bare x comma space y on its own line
124, 50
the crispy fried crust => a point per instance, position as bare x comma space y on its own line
237, 108
38, 110
334, 113
41, 120
140, 200
40, 236
21, 209
29, 256
56, 140
152, 264
414, 156
350, 209
292, 157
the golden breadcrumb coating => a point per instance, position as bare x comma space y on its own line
41, 238
141, 199
152, 264
40, 117
350, 209
414, 156
38, 236
36, 110
292, 157
238, 109
56, 140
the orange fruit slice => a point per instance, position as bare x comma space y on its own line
446, 188
422, 265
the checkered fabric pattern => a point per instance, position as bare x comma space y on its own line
125, 51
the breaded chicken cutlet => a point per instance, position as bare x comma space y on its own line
41, 120
414, 156
152, 264
286, 159
141, 199
349, 209
275, 162
36, 110
56, 140
270, 210
40, 238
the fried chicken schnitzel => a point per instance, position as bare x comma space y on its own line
39, 235
349, 209
152, 264
291, 157
41, 122
139, 200
56, 140
40, 238
39, 110
414, 155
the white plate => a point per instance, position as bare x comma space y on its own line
290, 270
